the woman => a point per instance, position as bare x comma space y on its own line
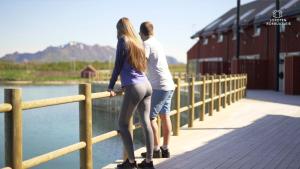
130, 64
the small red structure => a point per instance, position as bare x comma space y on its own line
89, 72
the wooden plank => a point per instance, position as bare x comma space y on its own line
6, 168
229, 147
52, 155
271, 148
219, 93
230, 89
51, 102
235, 149
85, 126
192, 102
13, 128
177, 102
203, 97
211, 93
5, 107
105, 136
225, 92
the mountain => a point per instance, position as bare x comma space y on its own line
73, 51
68, 52
172, 60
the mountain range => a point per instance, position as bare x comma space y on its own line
73, 51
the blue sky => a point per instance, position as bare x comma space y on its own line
32, 25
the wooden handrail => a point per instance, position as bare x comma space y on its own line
5, 107
234, 89
51, 102
53, 155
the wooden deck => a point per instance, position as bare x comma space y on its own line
262, 131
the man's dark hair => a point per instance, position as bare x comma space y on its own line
146, 28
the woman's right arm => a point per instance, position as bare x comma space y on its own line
120, 58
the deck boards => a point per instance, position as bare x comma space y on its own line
260, 132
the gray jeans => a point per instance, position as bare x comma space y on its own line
137, 97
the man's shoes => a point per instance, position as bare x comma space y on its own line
156, 154
145, 165
127, 165
165, 153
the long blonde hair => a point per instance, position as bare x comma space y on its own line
137, 57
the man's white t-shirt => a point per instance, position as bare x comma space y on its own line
158, 70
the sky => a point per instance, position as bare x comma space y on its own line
33, 25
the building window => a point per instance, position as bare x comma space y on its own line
220, 38
205, 41
282, 28
257, 30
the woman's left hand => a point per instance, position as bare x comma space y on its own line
112, 93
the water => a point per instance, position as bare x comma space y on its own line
50, 128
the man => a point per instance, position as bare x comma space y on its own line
163, 88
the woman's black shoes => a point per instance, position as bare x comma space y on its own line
145, 165
127, 165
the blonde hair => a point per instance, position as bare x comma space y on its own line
137, 57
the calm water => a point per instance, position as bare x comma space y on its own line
47, 129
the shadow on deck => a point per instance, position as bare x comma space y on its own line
272, 141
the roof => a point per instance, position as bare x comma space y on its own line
254, 12
89, 67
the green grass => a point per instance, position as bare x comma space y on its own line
61, 71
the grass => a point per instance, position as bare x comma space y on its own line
61, 71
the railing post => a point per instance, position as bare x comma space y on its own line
230, 90
13, 129
240, 87
219, 93
237, 87
243, 85
234, 88
212, 96
192, 101
85, 124
203, 95
177, 102
225, 91
246, 81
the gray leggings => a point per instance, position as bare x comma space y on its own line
137, 97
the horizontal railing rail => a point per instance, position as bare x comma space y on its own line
223, 88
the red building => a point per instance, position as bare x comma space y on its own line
89, 72
214, 52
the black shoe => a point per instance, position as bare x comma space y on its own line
127, 165
156, 154
145, 165
165, 153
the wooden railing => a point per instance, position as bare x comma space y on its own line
228, 88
